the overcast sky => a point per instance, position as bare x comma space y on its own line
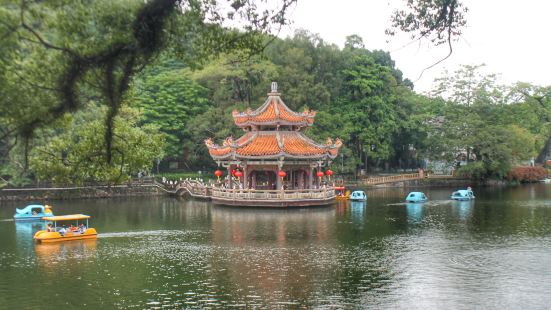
511, 37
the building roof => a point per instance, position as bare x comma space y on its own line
273, 144
273, 112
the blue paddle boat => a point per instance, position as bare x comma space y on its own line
32, 212
416, 197
463, 194
358, 196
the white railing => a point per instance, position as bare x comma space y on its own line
250, 194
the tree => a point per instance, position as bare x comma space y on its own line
77, 155
60, 48
369, 98
169, 100
438, 21
469, 86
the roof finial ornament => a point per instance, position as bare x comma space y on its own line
274, 87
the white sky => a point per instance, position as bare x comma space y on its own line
511, 37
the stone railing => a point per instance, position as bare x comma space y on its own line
250, 194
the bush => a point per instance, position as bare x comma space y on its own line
527, 174
474, 170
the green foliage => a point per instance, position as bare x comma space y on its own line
59, 55
475, 170
57, 58
170, 100
77, 155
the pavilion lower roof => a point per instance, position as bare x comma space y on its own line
274, 112
273, 144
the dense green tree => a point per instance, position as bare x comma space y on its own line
369, 103
60, 48
170, 100
78, 154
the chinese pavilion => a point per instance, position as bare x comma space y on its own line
274, 163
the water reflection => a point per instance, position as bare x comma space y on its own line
250, 226
357, 209
463, 209
24, 232
415, 212
68, 253
272, 255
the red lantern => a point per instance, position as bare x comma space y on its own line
329, 173
238, 173
282, 174
233, 172
319, 174
218, 174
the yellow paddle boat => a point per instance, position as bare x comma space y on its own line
341, 193
57, 233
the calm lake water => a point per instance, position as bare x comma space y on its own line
493, 253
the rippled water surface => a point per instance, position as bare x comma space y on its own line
171, 253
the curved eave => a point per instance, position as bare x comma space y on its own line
235, 155
305, 123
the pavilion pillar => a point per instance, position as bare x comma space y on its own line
310, 173
300, 179
230, 183
278, 179
245, 177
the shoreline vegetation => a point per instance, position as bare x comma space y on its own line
150, 187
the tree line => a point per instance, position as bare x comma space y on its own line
126, 112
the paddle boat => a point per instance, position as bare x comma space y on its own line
341, 193
416, 197
59, 233
358, 196
463, 194
33, 213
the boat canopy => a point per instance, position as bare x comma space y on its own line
69, 217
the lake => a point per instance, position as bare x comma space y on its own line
162, 252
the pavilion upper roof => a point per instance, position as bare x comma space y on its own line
273, 144
274, 112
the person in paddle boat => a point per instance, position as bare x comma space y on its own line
50, 228
81, 228
63, 230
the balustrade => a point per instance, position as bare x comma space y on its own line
249, 194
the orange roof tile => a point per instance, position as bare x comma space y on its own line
269, 144
261, 145
273, 111
296, 144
